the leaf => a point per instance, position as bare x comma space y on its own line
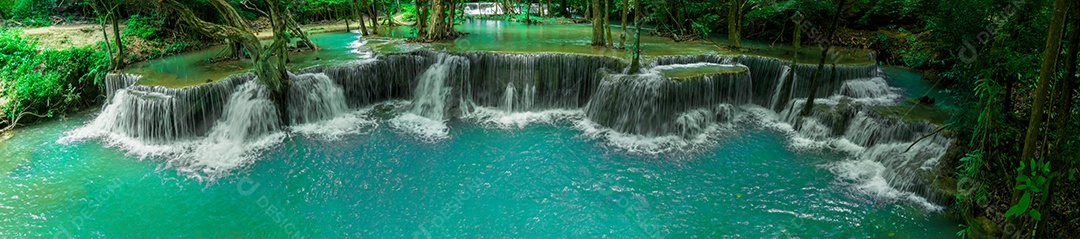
1020, 207
1021, 168
1023, 179
1035, 214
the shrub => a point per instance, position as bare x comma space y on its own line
49, 82
32, 12
145, 27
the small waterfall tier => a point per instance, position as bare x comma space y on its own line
657, 104
157, 114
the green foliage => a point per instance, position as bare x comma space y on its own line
1035, 182
964, 231
47, 82
30, 12
145, 27
408, 12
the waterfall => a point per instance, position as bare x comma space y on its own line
648, 104
313, 98
115, 82
427, 113
677, 104
159, 115
250, 123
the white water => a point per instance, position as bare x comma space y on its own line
427, 115
249, 124
320, 103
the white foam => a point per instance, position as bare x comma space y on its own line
647, 144
424, 128
491, 117
355, 123
867, 176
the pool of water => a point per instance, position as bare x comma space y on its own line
484, 36
538, 180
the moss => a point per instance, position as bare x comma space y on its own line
702, 71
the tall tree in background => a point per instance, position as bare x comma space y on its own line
441, 14
735, 21
421, 17
821, 64
1046, 74
373, 12
622, 36
607, 23
635, 63
598, 24
107, 9
356, 10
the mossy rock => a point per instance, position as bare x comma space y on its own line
987, 228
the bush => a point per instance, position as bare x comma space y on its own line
145, 27
31, 12
49, 82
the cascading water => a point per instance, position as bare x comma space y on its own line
313, 98
651, 112
648, 104
427, 113
249, 124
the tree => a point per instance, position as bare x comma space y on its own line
735, 21
622, 36
1046, 74
421, 18
272, 75
635, 63
607, 23
359, 14
373, 12
440, 28
598, 24
821, 64
107, 9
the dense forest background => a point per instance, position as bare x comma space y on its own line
1009, 64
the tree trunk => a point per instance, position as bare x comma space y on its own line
453, 13
598, 24
607, 23
622, 36
273, 77
733, 23
359, 14
439, 27
635, 64
1068, 84
276, 76
565, 9
295, 28
1046, 74
821, 64
421, 18
119, 42
374, 12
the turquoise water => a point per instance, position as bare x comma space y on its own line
543, 180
